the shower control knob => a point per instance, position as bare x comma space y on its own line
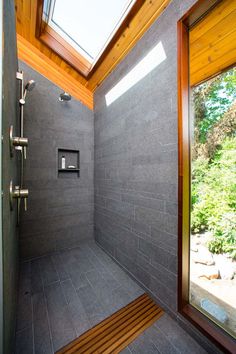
18, 193
16, 141
22, 101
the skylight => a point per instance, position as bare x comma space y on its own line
88, 25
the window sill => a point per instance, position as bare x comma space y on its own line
223, 340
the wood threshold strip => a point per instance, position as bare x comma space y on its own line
114, 333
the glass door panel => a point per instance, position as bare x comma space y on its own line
213, 200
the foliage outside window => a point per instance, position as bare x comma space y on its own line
214, 162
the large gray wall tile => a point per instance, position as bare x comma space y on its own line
94, 310
48, 270
77, 312
61, 324
10, 168
24, 341
60, 210
136, 164
24, 316
183, 342
36, 277
42, 338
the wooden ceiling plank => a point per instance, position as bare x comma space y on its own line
49, 69
214, 51
149, 11
27, 9
216, 42
27, 30
18, 9
217, 15
33, 20
216, 33
212, 42
211, 55
222, 62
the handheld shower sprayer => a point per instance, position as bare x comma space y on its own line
28, 87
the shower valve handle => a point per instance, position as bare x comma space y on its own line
16, 141
25, 203
18, 193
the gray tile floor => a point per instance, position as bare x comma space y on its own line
63, 295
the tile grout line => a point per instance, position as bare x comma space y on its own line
109, 272
32, 324
103, 264
81, 303
32, 308
55, 268
67, 305
98, 299
168, 340
134, 278
121, 286
46, 303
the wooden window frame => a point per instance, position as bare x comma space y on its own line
59, 45
217, 335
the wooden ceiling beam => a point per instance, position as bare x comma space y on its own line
48, 68
26, 19
212, 43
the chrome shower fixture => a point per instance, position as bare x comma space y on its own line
28, 87
64, 96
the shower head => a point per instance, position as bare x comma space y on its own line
64, 96
29, 87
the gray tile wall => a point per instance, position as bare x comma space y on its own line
60, 210
136, 164
10, 171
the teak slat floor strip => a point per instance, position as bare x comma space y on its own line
117, 331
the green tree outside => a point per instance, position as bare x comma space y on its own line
214, 162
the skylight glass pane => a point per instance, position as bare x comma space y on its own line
89, 23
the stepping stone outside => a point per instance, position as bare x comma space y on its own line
214, 310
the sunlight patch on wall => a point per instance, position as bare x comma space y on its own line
155, 57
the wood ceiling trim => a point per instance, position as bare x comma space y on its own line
64, 50
212, 42
55, 42
48, 68
26, 14
26, 18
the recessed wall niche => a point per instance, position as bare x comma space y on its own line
68, 163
